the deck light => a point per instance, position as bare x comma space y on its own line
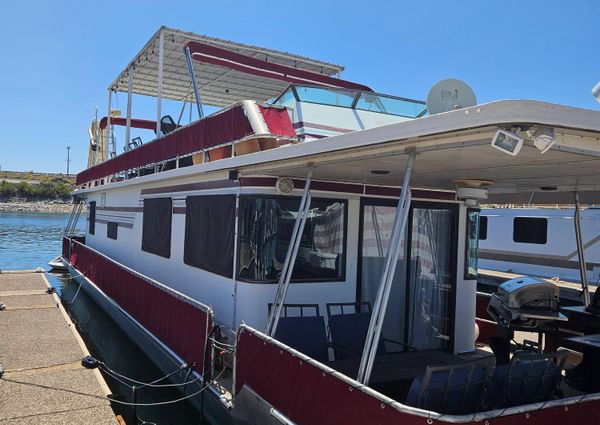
596, 91
507, 141
543, 138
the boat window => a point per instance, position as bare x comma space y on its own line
92, 227
333, 97
472, 243
483, 227
287, 99
389, 105
209, 233
530, 230
156, 227
265, 229
111, 230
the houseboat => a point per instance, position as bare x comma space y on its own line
309, 250
539, 241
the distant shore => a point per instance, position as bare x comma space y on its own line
53, 206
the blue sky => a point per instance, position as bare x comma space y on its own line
59, 57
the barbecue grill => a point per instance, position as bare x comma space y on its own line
525, 303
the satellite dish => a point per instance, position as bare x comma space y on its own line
448, 95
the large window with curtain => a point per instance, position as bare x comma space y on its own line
156, 226
209, 233
265, 229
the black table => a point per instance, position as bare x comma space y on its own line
588, 371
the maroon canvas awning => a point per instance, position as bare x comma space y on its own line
246, 64
135, 123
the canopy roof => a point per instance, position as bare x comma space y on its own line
218, 85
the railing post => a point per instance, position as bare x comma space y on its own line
387, 277
581, 253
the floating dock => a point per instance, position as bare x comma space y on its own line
40, 352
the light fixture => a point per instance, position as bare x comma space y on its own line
507, 141
596, 91
543, 138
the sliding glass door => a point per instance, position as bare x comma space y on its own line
420, 306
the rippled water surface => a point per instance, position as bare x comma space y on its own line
29, 240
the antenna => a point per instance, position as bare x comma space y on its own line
448, 95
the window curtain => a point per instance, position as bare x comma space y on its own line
430, 278
156, 231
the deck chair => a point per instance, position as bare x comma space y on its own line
305, 333
348, 327
167, 124
528, 378
456, 389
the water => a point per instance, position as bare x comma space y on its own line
29, 241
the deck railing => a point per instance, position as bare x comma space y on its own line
179, 322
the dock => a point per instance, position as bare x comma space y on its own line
40, 351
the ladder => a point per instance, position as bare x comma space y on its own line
74, 218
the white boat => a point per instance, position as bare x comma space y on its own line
315, 257
57, 264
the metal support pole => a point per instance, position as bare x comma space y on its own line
160, 81
581, 253
111, 147
387, 277
190, 65
129, 98
290, 258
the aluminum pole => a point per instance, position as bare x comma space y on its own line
161, 41
581, 253
129, 98
109, 146
190, 65
290, 257
387, 277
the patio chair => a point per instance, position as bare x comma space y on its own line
454, 389
528, 378
305, 333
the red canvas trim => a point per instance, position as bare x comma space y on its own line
262, 68
178, 324
135, 123
309, 395
278, 121
229, 125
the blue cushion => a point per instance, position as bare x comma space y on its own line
349, 332
530, 381
451, 394
305, 334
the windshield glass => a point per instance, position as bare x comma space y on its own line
355, 99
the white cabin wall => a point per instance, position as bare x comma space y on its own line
466, 290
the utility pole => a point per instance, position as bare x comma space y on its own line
68, 159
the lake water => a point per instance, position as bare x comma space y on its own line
29, 241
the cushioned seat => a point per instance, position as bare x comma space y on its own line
349, 333
526, 379
305, 334
450, 389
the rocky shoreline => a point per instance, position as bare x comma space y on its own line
54, 206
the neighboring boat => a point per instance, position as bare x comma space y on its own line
539, 242
57, 264
314, 258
